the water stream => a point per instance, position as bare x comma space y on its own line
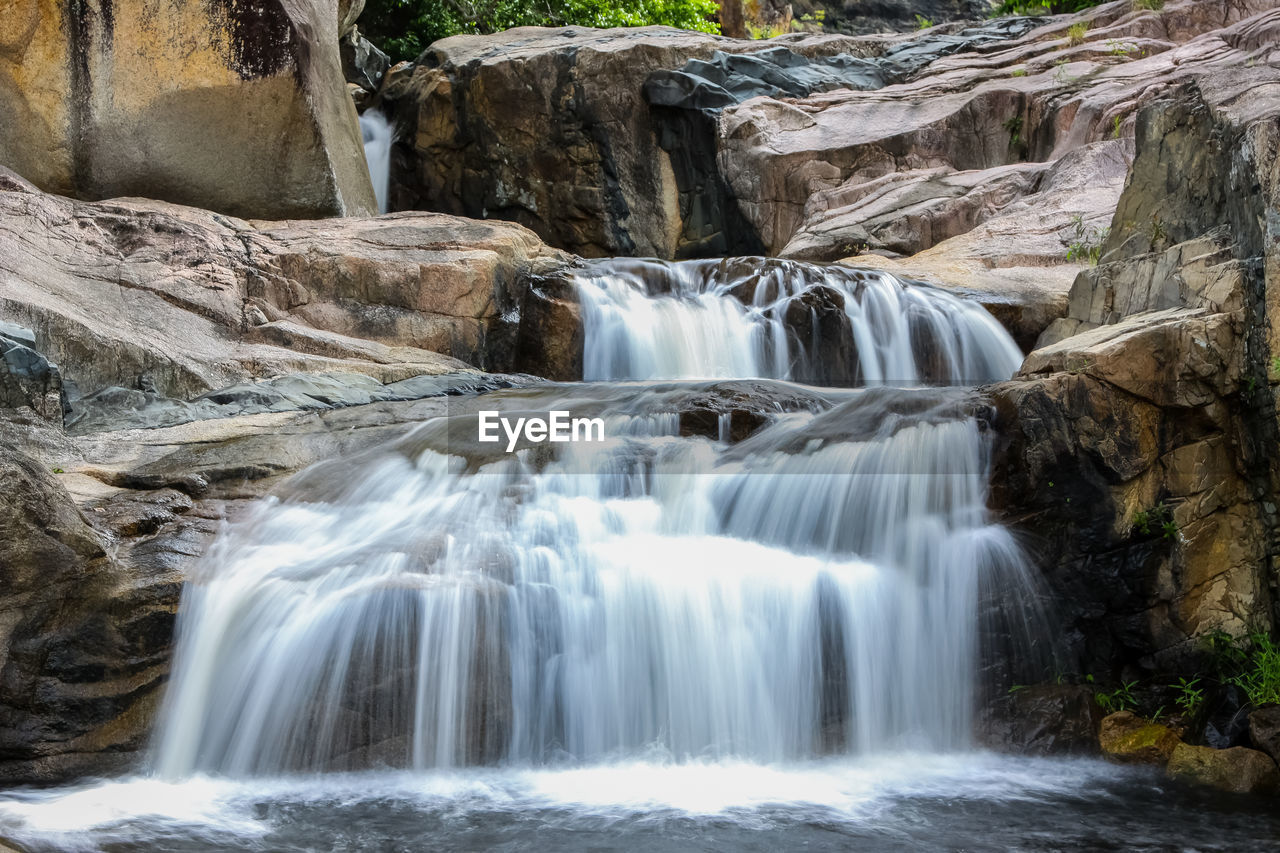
378, 134
747, 619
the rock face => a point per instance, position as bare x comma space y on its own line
26, 377
550, 128
1052, 719
1137, 441
1264, 730
185, 301
1239, 770
236, 108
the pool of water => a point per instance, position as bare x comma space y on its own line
908, 802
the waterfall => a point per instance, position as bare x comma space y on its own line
810, 588
377, 132
785, 320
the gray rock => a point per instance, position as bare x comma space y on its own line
1264, 730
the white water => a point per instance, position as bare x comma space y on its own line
812, 590
698, 320
378, 136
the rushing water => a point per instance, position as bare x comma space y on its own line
748, 618
377, 133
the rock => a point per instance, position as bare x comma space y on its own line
362, 63
998, 99
234, 108
1264, 730
1044, 719
852, 16
549, 128
199, 301
1239, 770
1129, 739
1152, 398
26, 377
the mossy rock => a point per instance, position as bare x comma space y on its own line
1240, 770
1129, 739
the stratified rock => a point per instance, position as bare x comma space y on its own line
1136, 445
1000, 98
238, 108
1264, 730
196, 301
1129, 739
1239, 770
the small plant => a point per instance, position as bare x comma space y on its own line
1076, 33
1018, 72
1017, 688
1119, 48
1275, 364
1148, 5
766, 32
1158, 232
58, 471
1190, 696
1159, 517
1115, 128
1120, 699
1085, 244
1014, 126
923, 23
1260, 679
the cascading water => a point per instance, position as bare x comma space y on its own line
752, 618
811, 589
377, 132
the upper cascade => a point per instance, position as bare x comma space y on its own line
765, 318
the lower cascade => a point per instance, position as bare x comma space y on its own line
748, 570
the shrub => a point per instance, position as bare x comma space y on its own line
1045, 7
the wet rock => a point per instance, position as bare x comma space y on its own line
234, 108
1045, 719
1239, 770
1264, 730
1128, 739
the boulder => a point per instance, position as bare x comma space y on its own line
1128, 739
1239, 770
1264, 730
550, 128
231, 107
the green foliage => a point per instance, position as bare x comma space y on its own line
1148, 5
1120, 699
766, 32
1018, 72
1115, 128
1014, 126
1190, 696
1086, 242
1119, 48
1076, 33
1260, 678
1158, 518
1042, 7
58, 471
923, 23
404, 28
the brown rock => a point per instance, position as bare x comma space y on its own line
237, 109
1129, 739
1239, 770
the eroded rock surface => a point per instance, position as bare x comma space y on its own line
152, 296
